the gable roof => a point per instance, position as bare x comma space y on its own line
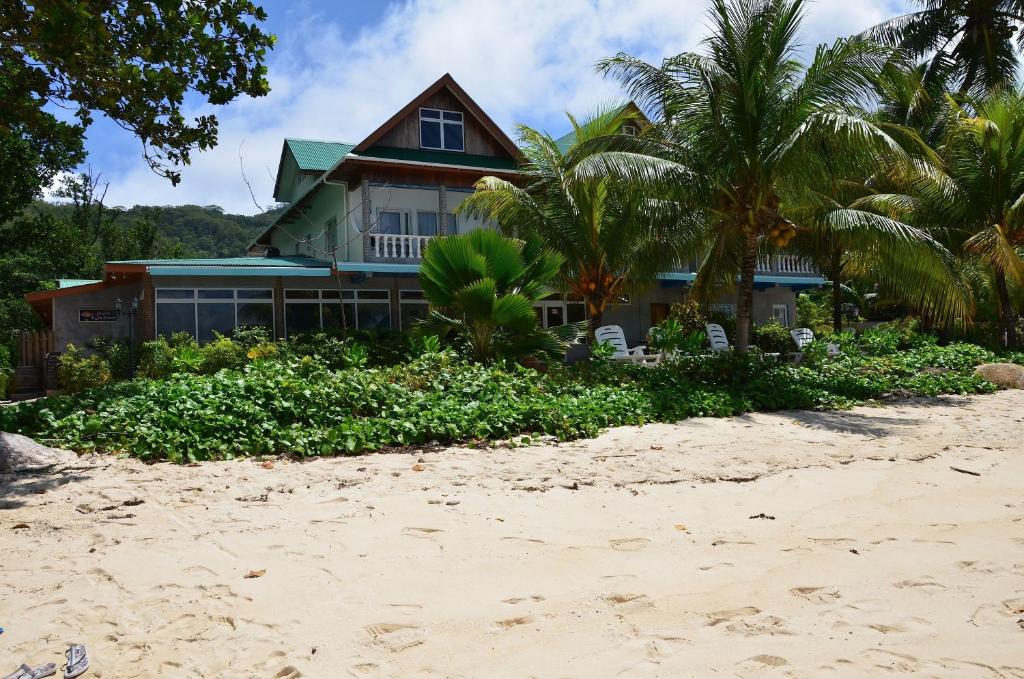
445, 81
317, 155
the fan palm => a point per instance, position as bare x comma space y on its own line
613, 235
969, 43
754, 127
484, 285
976, 195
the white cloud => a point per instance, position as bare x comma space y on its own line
528, 61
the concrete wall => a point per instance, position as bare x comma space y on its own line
328, 202
68, 329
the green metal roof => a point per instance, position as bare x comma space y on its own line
247, 262
440, 157
314, 154
74, 282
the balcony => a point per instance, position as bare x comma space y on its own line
781, 264
398, 248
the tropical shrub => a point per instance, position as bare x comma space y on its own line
116, 353
156, 359
773, 337
77, 372
482, 285
813, 312
249, 336
6, 371
223, 352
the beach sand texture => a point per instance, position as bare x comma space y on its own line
872, 542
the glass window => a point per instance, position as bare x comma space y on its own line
174, 317
255, 294
453, 223
389, 221
575, 312
411, 295
164, 293
256, 313
780, 312
216, 294
556, 317
441, 130
332, 318
412, 313
430, 134
426, 223
373, 294
373, 316
215, 318
301, 294
301, 318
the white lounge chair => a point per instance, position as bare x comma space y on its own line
804, 336
613, 335
719, 340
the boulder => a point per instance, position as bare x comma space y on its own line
1007, 375
21, 454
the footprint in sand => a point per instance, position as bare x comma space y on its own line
514, 622
731, 614
767, 660
395, 637
421, 532
516, 600
818, 595
629, 544
924, 583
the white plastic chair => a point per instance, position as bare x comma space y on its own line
716, 335
613, 335
804, 336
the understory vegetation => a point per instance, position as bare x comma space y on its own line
300, 398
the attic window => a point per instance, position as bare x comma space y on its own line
441, 130
630, 130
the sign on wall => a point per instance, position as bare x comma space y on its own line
97, 315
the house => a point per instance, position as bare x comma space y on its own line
347, 248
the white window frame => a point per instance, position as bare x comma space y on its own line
196, 301
562, 302
349, 295
784, 318
413, 301
406, 221
630, 130
729, 309
441, 122
437, 223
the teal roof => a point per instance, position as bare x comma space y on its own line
440, 157
317, 155
74, 282
247, 262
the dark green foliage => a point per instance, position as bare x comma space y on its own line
133, 62
281, 403
773, 337
78, 372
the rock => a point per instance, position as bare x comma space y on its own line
1006, 375
21, 454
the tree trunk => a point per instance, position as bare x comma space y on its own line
837, 304
1007, 318
596, 315
745, 294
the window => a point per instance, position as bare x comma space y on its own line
558, 309
441, 130
389, 221
413, 306
204, 311
780, 312
727, 309
453, 224
426, 223
630, 130
314, 310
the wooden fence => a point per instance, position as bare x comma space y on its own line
34, 347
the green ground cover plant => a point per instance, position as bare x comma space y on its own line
284, 401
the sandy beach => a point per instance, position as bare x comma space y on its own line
851, 544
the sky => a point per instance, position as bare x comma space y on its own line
343, 67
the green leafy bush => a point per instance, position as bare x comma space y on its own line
78, 372
773, 337
116, 353
156, 359
221, 353
281, 403
6, 371
249, 336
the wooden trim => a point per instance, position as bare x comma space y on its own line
124, 268
43, 295
471, 106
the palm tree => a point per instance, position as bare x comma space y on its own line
753, 127
613, 235
976, 195
484, 285
969, 43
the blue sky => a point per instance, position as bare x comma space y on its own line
343, 67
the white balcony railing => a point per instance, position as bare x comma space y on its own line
787, 264
385, 246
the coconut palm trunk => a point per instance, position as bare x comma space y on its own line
745, 299
1007, 316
